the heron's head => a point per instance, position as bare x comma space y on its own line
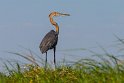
58, 14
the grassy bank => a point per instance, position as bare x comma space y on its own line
106, 70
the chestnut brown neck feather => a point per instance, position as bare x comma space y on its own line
54, 23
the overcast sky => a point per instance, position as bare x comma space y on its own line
23, 24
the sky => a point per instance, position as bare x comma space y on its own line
23, 24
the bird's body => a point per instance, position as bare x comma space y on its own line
49, 41
51, 38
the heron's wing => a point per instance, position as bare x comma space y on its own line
49, 41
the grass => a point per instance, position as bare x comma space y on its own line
108, 69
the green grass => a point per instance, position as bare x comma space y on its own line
107, 69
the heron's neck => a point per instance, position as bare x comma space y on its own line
54, 24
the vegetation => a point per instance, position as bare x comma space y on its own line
108, 69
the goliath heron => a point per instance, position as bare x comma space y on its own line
51, 38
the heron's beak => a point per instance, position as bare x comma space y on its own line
64, 14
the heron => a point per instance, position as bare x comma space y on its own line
51, 38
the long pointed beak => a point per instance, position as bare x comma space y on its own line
64, 14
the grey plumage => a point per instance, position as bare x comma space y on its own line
49, 41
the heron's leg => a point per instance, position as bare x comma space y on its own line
46, 61
55, 56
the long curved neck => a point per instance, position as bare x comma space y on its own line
54, 24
